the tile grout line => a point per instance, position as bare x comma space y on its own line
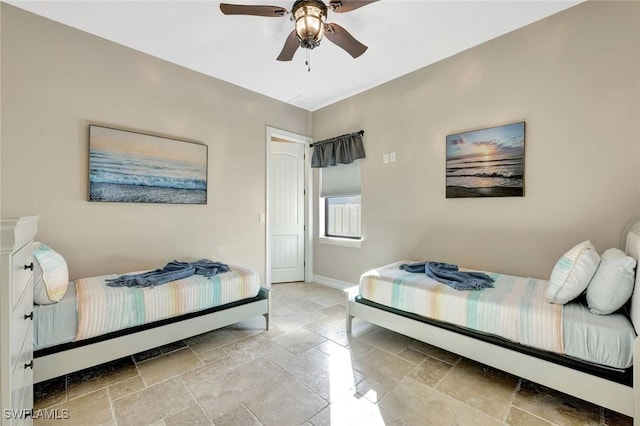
111, 406
454, 365
535, 415
66, 393
66, 388
195, 399
221, 347
296, 380
291, 376
513, 397
476, 409
251, 412
166, 379
111, 400
105, 387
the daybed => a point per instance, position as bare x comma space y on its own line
593, 361
94, 323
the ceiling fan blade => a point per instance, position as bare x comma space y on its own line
290, 46
342, 6
338, 35
241, 9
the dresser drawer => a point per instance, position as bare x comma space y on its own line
22, 393
21, 326
22, 270
22, 377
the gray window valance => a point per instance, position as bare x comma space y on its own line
339, 150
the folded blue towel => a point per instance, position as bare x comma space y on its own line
415, 268
170, 272
449, 274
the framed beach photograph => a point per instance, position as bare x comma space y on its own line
132, 167
486, 163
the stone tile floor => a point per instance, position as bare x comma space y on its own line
306, 370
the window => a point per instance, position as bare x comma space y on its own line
342, 217
340, 201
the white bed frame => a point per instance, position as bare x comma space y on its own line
615, 396
81, 357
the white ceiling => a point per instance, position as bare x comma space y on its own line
402, 36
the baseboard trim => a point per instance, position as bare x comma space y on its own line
333, 283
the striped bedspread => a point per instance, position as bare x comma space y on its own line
103, 309
514, 309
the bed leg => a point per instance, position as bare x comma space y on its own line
348, 294
266, 317
636, 384
349, 322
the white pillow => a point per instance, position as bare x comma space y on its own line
612, 283
50, 275
572, 273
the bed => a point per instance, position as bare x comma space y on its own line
93, 323
592, 359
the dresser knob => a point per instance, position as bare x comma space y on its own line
30, 365
30, 316
29, 266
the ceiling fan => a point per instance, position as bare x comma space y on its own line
310, 18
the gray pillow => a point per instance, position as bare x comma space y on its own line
612, 284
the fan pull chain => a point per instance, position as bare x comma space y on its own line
308, 61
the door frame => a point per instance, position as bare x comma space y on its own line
272, 132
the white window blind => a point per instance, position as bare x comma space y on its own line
342, 180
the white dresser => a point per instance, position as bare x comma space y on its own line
16, 315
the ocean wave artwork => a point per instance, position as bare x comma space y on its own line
486, 163
133, 167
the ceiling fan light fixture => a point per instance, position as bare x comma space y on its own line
310, 16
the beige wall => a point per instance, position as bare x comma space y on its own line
56, 80
574, 79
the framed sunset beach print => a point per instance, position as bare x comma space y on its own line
134, 167
486, 163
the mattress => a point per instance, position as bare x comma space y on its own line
59, 323
514, 310
56, 323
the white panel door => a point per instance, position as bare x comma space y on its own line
287, 212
